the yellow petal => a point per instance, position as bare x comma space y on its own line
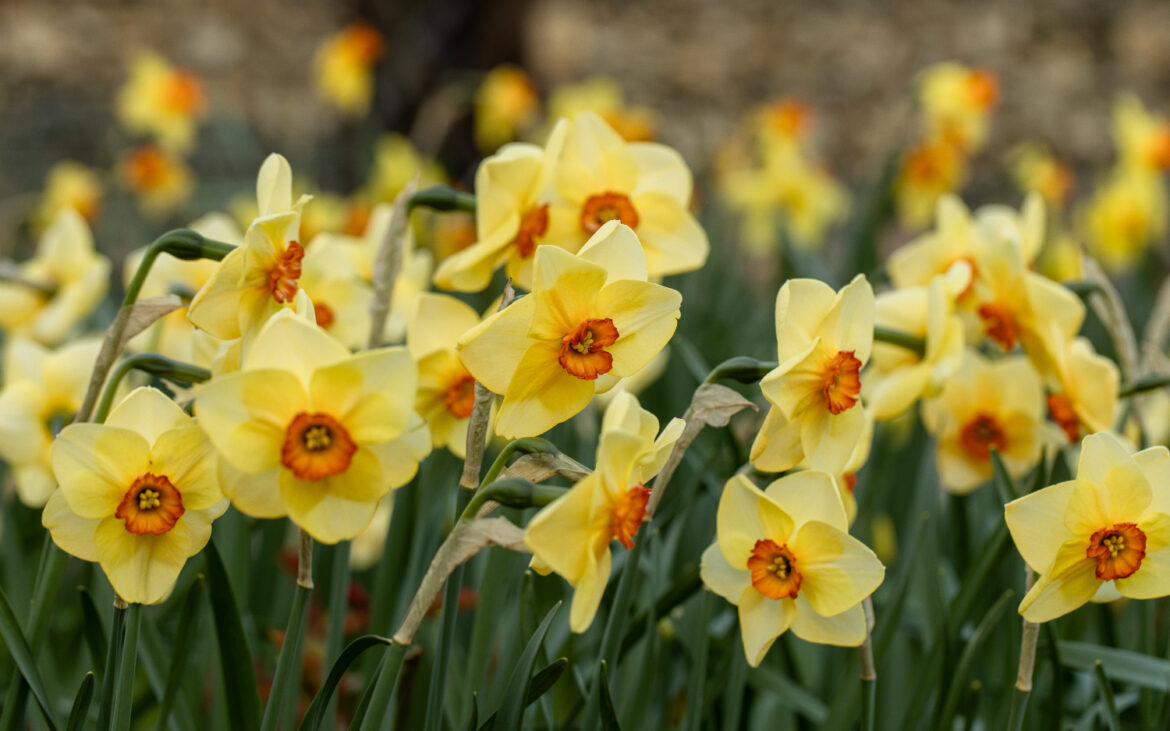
801, 307
438, 323
565, 288
541, 395
371, 394
617, 249
1036, 522
492, 350
829, 439
339, 507
72, 533
848, 325
746, 515
563, 533
257, 495
761, 621
721, 577
143, 569
216, 306
645, 316
673, 240
1155, 465
846, 629
185, 456
1121, 497
1072, 583
662, 168
149, 412
589, 590
617, 454
274, 185
1152, 579
96, 464
652, 462
809, 495
400, 456
246, 415
777, 445
289, 343
838, 570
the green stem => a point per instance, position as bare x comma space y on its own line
449, 613
377, 713
442, 198
899, 338
1142, 385
113, 662
528, 445
1112, 717
868, 670
338, 604
154, 364
294, 637
610, 640
181, 243
124, 700
512, 492
740, 368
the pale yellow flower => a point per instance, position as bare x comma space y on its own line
396, 162
70, 184
956, 102
161, 101
1126, 215
603, 96
1037, 170
1083, 389
343, 67
341, 298
506, 104
1142, 138
929, 171
160, 181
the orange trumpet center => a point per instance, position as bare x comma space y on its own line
460, 398
1061, 409
842, 382
773, 570
316, 446
980, 434
982, 89
147, 168
283, 276
183, 94
151, 505
324, 313
628, 511
609, 206
1001, 326
1160, 148
1119, 550
533, 225
583, 350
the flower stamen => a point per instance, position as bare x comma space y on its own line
628, 511
282, 278
609, 206
842, 383
583, 350
1118, 549
152, 505
774, 572
316, 446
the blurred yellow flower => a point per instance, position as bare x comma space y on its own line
784, 121
600, 177
956, 102
572, 535
51, 293
1142, 139
506, 104
308, 430
343, 67
261, 277
785, 558
603, 96
1104, 533
341, 299
1036, 170
159, 180
70, 184
591, 319
42, 391
138, 494
929, 170
161, 101
511, 216
824, 339
1083, 389
987, 405
396, 162
1126, 214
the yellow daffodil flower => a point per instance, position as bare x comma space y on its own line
929, 171
506, 104
308, 430
1126, 214
1142, 139
1104, 533
824, 340
785, 558
42, 391
1083, 390
572, 535
511, 216
60, 286
161, 101
600, 177
1036, 170
343, 67
987, 405
341, 299
396, 162
261, 277
785, 121
603, 96
70, 184
591, 319
138, 494
446, 390
956, 102
160, 181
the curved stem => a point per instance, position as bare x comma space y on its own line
1142, 385
181, 243
899, 338
442, 198
513, 492
154, 364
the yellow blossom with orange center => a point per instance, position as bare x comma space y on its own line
162, 102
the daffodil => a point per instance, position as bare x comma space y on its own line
600, 177
824, 339
572, 535
1104, 533
161, 101
1083, 390
785, 121
506, 104
785, 558
987, 405
42, 391
1142, 138
446, 390
261, 277
308, 430
159, 180
603, 96
59, 287
956, 102
70, 184
396, 162
1126, 214
1037, 170
343, 67
138, 494
591, 319
929, 171
511, 216
341, 299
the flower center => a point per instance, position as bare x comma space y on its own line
460, 398
980, 434
363, 43
628, 511
183, 94
1060, 407
151, 505
583, 350
773, 570
324, 313
982, 89
842, 382
316, 446
1119, 550
608, 206
147, 168
533, 225
1160, 148
283, 276
1000, 324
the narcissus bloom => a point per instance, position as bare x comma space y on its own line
1126, 214
62, 284
42, 391
1083, 390
506, 104
343, 67
396, 162
1037, 170
600, 177
70, 184
261, 277
159, 180
987, 405
161, 101
785, 558
446, 390
603, 96
1104, 533
591, 319
572, 535
308, 430
138, 494
929, 171
824, 339
956, 102
511, 217
1142, 138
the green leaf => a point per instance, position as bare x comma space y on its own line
81, 703
609, 721
541, 683
124, 698
289, 660
1111, 714
22, 655
1121, 665
239, 678
511, 712
186, 629
93, 630
1004, 485
959, 673
316, 713
797, 698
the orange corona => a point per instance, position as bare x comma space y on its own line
1118, 549
316, 446
1000, 323
460, 398
282, 278
533, 226
151, 505
1060, 407
583, 351
774, 572
628, 511
609, 206
842, 382
980, 434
